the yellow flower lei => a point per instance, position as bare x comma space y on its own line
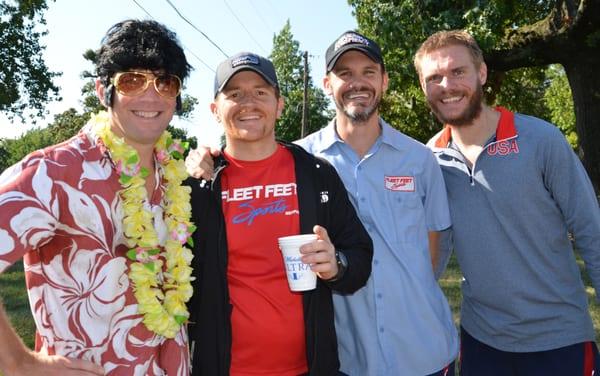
161, 295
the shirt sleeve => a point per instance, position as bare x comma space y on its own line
569, 184
29, 211
435, 201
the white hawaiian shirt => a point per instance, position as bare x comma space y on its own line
60, 212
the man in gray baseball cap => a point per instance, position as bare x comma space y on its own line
244, 318
351, 40
245, 61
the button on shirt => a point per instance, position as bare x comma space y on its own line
400, 322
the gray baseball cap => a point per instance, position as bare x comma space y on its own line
244, 61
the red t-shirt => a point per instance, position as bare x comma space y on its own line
261, 204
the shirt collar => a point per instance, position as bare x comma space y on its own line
331, 136
505, 130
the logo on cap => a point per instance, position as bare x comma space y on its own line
350, 38
244, 60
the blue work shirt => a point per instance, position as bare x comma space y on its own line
400, 322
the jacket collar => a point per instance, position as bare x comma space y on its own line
505, 130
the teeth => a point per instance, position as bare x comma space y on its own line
358, 95
249, 117
451, 99
146, 114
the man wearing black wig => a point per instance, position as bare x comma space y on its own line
102, 221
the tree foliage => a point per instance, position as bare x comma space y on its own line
25, 80
69, 122
519, 39
288, 61
559, 101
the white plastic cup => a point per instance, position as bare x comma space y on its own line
300, 276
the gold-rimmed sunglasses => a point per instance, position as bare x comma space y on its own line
134, 83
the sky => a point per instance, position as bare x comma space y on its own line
234, 25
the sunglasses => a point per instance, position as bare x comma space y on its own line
135, 83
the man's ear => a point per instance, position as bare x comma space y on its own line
100, 91
215, 111
422, 84
280, 106
104, 93
483, 73
384, 85
327, 85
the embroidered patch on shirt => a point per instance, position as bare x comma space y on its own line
504, 147
400, 183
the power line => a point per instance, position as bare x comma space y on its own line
275, 9
265, 22
247, 32
142, 8
187, 49
194, 26
202, 61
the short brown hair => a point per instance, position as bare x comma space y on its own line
447, 38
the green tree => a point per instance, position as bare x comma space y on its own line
69, 122
288, 61
16, 149
526, 34
25, 80
559, 100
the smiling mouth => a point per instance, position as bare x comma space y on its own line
146, 114
353, 96
453, 99
248, 117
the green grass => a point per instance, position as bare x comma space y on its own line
450, 283
14, 296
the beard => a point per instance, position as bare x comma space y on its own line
467, 116
359, 114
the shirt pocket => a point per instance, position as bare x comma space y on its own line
407, 216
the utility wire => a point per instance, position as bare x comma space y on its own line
265, 22
187, 49
142, 8
194, 26
202, 61
247, 32
275, 9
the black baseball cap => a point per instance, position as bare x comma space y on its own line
244, 61
351, 40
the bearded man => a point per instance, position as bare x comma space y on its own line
516, 190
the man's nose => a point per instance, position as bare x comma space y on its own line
151, 91
446, 82
246, 99
355, 83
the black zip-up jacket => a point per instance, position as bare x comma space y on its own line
322, 200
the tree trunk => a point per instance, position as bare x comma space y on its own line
585, 86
